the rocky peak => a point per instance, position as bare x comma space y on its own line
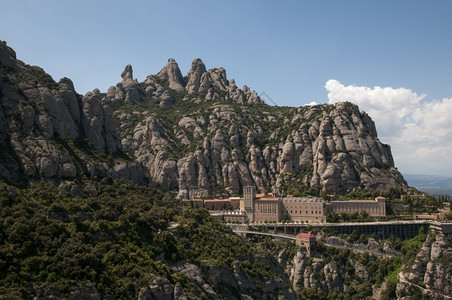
127, 89
194, 76
127, 74
172, 73
219, 79
334, 147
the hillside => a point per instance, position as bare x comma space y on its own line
198, 135
88, 187
119, 240
115, 241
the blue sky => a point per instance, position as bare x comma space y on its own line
297, 52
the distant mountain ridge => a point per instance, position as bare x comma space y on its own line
429, 181
433, 185
198, 135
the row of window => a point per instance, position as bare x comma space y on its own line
312, 212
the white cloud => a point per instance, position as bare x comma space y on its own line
419, 131
424, 160
430, 124
387, 106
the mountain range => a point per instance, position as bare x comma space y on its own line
434, 185
197, 135
85, 183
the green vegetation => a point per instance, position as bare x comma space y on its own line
378, 269
394, 269
392, 194
116, 242
362, 216
411, 247
109, 241
120, 240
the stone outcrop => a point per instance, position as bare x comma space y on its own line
194, 77
217, 281
40, 119
372, 246
429, 267
334, 147
214, 82
173, 75
219, 146
126, 90
316, 274
98, 124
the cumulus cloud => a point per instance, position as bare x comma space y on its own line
419, 131
430, 124
388, 107
423, 160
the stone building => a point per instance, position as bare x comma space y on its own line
273, 208
304, 208
233, 203
267, 209
249, 195
375, 208
306, 240
218, 204
193, 202
230, 216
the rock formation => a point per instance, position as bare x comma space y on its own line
193, 137
173, 75
431, 267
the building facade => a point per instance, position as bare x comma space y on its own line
375, 208
306, 240
270, 208
304, 208
249, 195
267, 209
263, 208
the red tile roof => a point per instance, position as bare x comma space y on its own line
306, 235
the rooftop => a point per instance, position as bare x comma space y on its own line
217, 200
306, 235
268, 198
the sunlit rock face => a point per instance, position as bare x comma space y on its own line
198, 135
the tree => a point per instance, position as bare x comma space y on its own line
332, 217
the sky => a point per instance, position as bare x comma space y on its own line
392, 58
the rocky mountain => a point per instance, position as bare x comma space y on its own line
199, 135
429, 272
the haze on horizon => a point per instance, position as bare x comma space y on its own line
392, 59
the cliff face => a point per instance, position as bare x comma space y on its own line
199, 134
430, 272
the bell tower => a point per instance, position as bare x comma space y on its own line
249, 194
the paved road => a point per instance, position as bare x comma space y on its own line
283, 236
